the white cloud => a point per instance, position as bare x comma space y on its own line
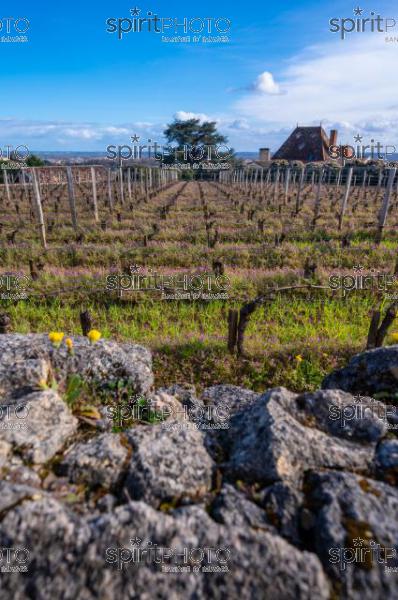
82, 133
44, 134
143, 125
116, 130
348, 83
349, 86
240, 124
265, 84
182, 115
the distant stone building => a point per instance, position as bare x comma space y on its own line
265, 154
307, 144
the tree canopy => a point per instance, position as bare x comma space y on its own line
34, 161
194, 134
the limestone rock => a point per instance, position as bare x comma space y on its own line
166, 464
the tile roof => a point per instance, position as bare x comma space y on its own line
308, 144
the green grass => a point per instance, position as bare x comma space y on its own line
189, 339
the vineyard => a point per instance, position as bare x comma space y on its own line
67, 228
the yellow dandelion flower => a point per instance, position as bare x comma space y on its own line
299, 358
56, 337
69, 344
94, 335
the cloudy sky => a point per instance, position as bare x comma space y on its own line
74, 86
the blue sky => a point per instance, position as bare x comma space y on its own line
74, 86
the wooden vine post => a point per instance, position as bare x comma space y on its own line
94, 186
238, 321
109, 188
5, 175
85, 321
121, 186
386, 204
38, 208
300, 188
345, 197
71, 197
317, 200
377, 331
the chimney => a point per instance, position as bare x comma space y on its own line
333, 137
265, 155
